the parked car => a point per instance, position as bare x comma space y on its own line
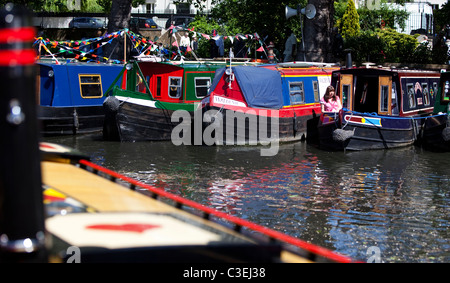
179, 21
85, 22
138, 23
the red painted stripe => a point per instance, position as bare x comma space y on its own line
17, 57
127, 227
11, 35
238, 221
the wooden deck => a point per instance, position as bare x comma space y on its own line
126, 218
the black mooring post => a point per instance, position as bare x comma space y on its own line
22, 225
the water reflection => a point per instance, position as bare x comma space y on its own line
395, 200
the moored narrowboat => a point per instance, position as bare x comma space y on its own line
436, 131
382, 108
141, 108
70, 96
255, 105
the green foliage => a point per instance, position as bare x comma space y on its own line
349, 24
384, 45
442, 16
204, 25
267, 18
370, 20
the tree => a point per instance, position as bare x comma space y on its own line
106, 4
317, 33
119, 18
349, 25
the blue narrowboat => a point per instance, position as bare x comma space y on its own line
70, 96
382, 108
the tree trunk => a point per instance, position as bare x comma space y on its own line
317, 34
119, 18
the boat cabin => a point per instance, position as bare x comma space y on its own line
289, 95
172, 82
443, 95
74, 84
272, 86
386, 91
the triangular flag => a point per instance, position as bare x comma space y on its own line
261, 49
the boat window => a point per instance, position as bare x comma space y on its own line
202, 86
175, 87
158, 86
411, 96
296, 92
446, 91
316, 91
426, 94
394, 98
90, 86
345, 95
384, 99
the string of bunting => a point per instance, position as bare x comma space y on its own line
92, 49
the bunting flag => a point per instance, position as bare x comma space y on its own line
91, 49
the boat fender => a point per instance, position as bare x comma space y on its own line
111, 104
341, 135
446, 134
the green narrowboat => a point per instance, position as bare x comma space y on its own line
436, 132
141, 107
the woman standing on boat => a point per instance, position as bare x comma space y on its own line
330, 101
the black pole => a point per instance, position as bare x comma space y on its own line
22, 224
348, 59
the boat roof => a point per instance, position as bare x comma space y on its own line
387, 71
78, 64
261, 87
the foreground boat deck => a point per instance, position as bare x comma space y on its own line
117, 217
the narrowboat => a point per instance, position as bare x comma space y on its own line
141, 107
382, 108
255, 105
436, 132
70, 96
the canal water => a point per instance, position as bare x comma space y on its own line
386, 205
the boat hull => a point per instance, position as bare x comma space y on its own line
367, 132
257, 127
56, 121
435, 134
137, 122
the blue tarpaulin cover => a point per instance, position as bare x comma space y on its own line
262, 88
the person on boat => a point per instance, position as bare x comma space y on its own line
290, 49
330, 101
185, 42
271, 55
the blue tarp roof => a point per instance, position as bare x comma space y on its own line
262, 88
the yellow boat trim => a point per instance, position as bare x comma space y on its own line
296, 105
